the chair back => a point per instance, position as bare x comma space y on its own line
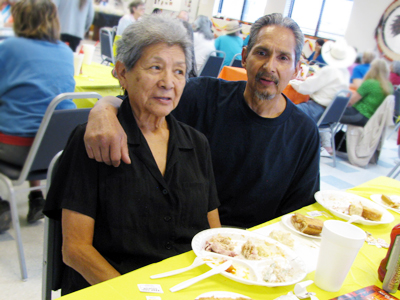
334, 112
213, 65
51, 138
106, 45
397, 102
235, 62
53, 265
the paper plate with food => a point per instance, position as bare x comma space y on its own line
388, 201
346, 205
256, 259
222, 295
303, 225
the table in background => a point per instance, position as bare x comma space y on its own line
95, 78
363, 272
234, 73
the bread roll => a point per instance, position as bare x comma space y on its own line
371, 214
307, 225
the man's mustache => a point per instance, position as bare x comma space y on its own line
267, 77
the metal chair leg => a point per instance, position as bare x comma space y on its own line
17, 229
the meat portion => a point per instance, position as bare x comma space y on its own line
221, 245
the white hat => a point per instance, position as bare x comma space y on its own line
232, 27
338, 54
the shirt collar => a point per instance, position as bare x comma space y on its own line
178, 133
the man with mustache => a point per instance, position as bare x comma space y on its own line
265, 151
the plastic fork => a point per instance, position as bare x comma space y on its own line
191, 281
198, 261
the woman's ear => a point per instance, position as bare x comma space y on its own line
121, 72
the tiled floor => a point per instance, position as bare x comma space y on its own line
342, 177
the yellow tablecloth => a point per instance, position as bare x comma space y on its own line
95, 78
363, 272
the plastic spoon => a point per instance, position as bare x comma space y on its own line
354, 218
198, 261
191, 281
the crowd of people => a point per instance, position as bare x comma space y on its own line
176, 153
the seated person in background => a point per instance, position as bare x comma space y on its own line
203, 40
115, 220
362, 69
316, 57
369, 96
356, 62
265, 151
326, 83
184, 17
136, 9
394, 76
230, 43
36, 67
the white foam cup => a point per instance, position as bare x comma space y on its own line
78, 59
88, 51
340, 243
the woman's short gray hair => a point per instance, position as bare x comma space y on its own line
203, 24
279, 20
151, 30
396, 67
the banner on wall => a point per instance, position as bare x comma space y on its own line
387, 33
174, 5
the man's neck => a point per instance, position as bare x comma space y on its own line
267, 108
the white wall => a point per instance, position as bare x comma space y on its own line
363, 21
360, 32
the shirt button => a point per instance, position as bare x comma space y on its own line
167, 218
168, 246
165, 191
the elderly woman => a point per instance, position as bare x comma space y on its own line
35, 67
115, 220
370, 95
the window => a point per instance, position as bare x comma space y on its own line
322, 18
243, 10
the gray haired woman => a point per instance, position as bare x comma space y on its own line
115, 220
203, 39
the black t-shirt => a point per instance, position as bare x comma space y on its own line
263, 168
141, 217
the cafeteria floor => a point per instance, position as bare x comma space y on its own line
342, 177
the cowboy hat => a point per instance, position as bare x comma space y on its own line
232, 27
338, 54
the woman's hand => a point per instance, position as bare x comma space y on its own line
105, 139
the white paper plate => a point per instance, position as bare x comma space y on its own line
330, 199
286, 221
221, 294
377, 198
252, 268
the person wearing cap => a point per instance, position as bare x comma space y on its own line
230, 43
326, 83
265, 151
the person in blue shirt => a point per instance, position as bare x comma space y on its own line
230, 43
361, 70
35, 67
316, 56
